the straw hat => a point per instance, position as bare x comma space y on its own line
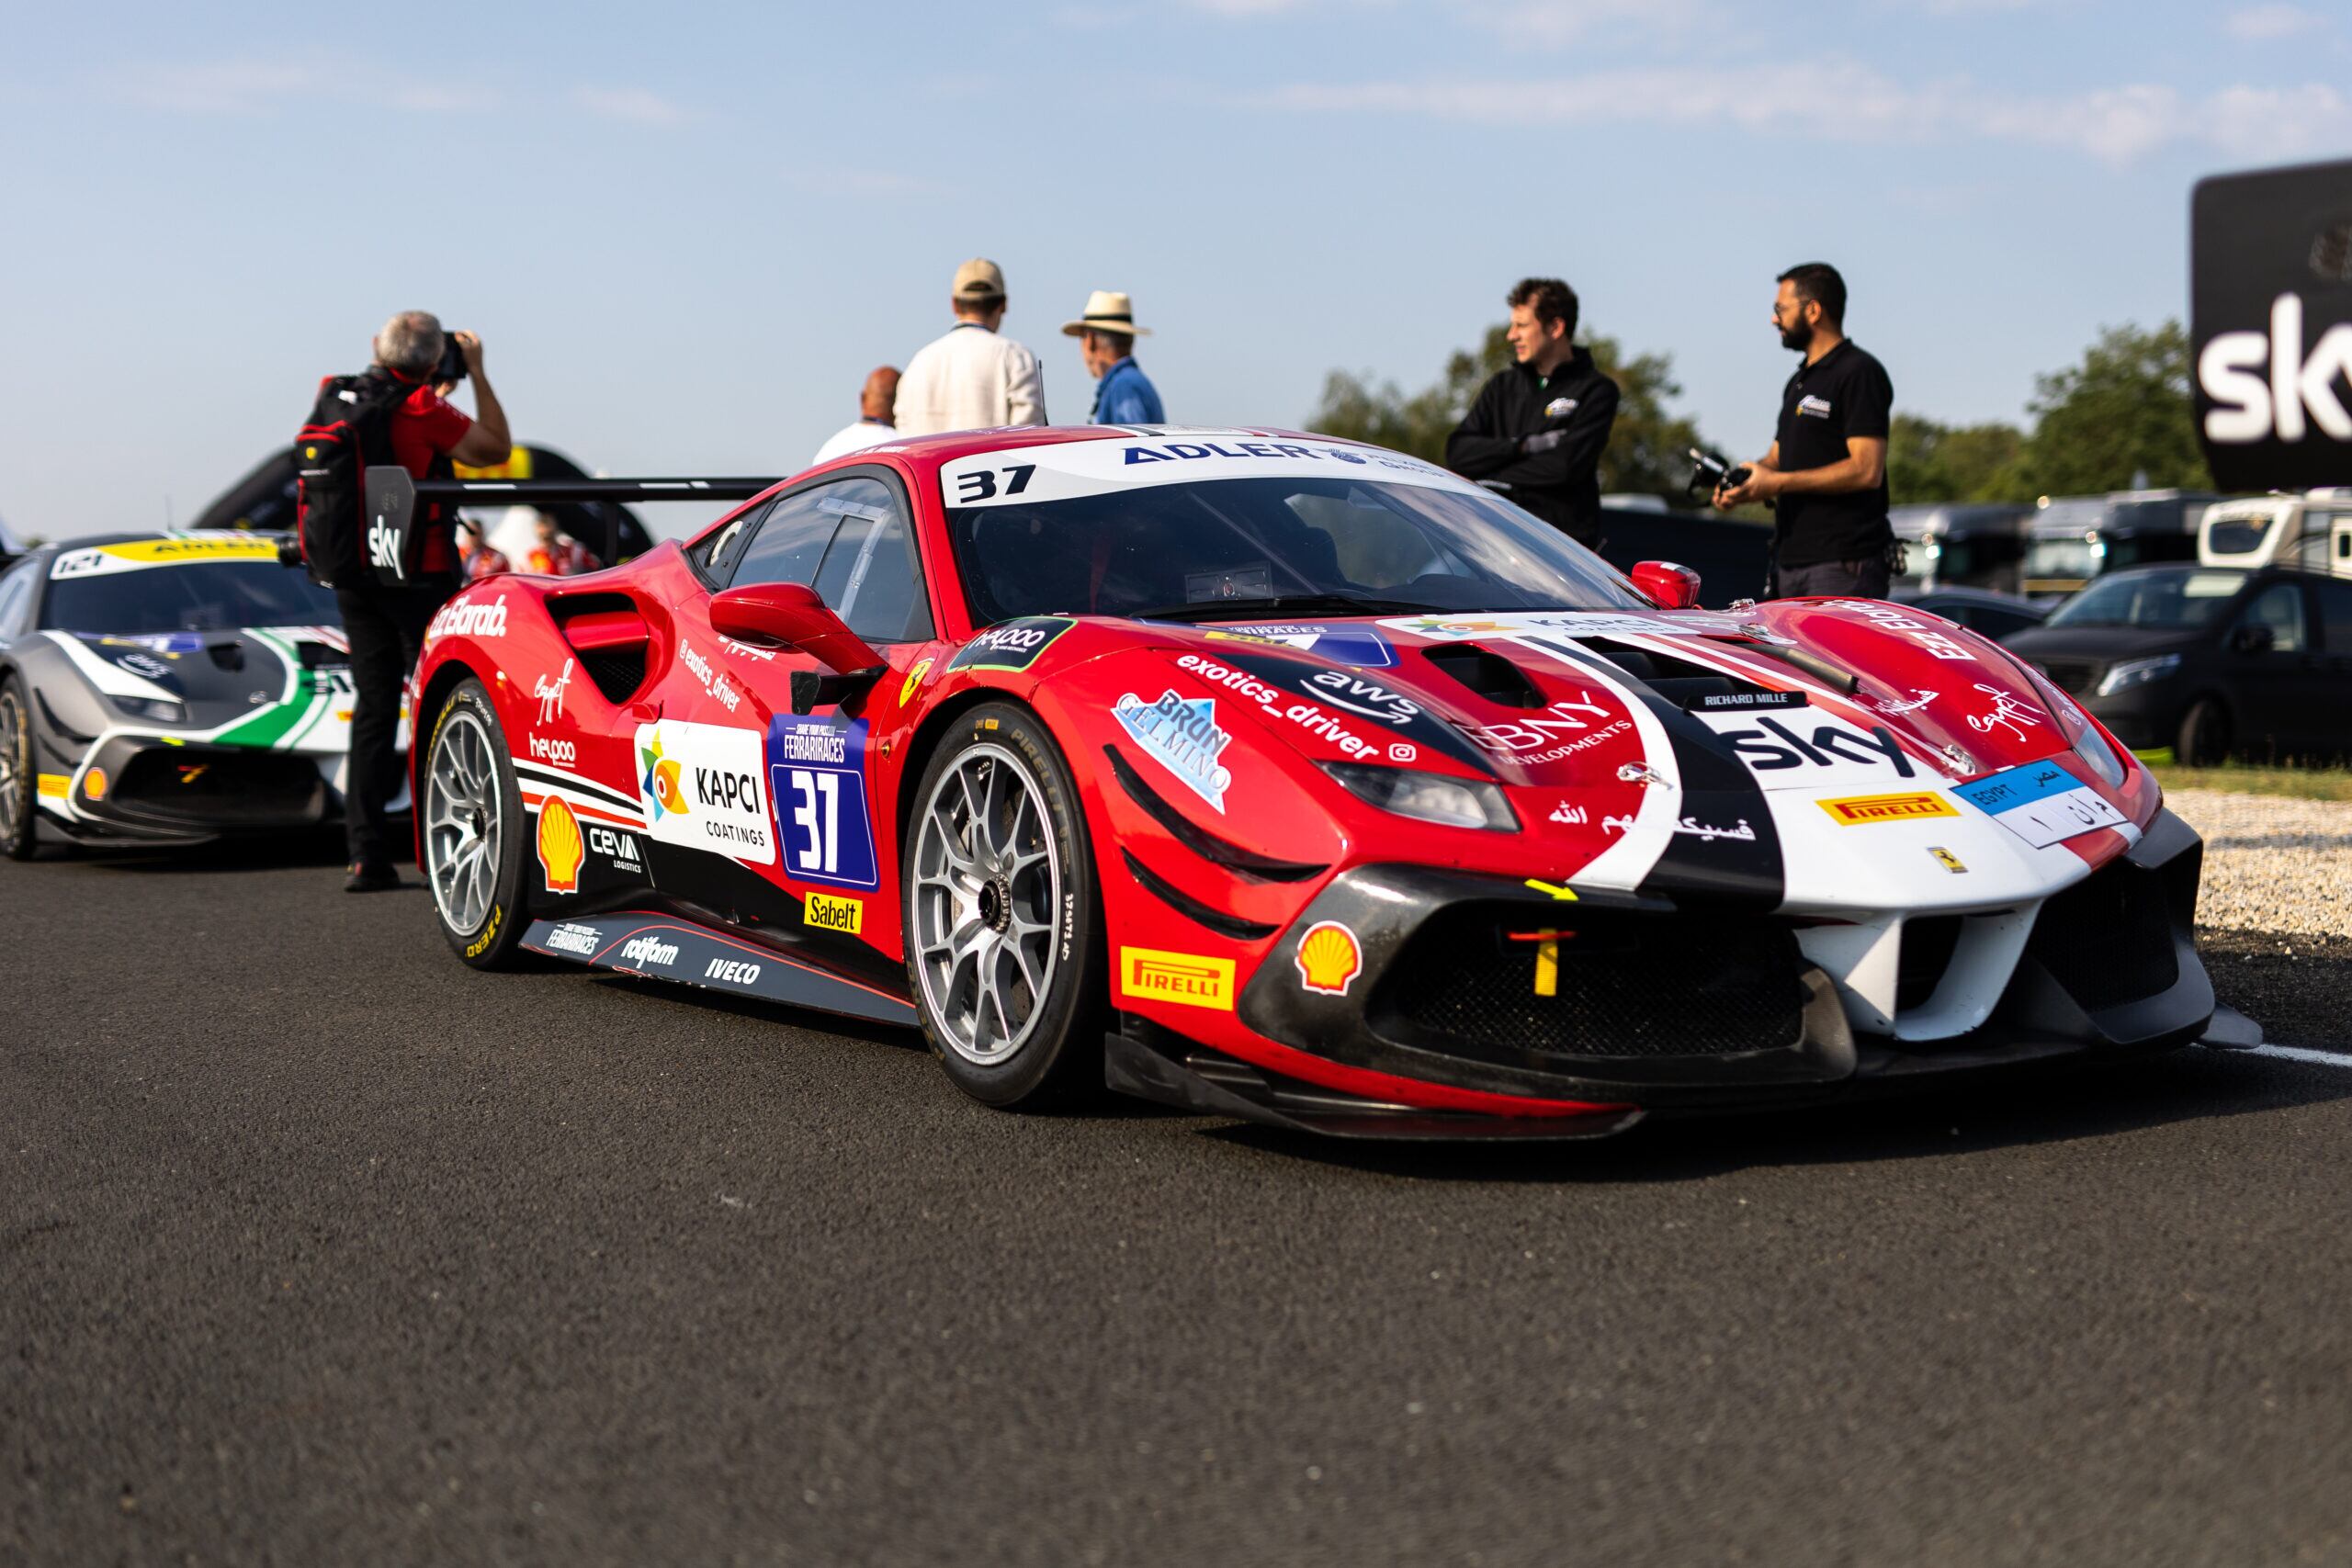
1106, 311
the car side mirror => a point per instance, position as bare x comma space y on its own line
791, 615
2254, 639
1666, 585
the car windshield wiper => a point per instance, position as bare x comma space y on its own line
1283, 603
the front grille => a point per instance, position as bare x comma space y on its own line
1626, 985
2072, 676
220, 787
2108, 940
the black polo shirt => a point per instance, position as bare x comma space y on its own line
1842, 395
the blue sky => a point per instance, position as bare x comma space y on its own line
686, 233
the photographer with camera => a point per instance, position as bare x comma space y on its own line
1827, 470
393, 412
1537, 429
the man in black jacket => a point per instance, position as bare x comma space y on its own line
1536, 431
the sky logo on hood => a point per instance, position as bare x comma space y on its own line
1182, 735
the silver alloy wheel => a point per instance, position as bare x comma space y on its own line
12, 757
988, 879
464, 822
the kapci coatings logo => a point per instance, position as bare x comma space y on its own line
701, 783
659, 782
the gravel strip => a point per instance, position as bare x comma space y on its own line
2272, 863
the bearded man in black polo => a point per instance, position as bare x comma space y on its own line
1827, 471
1537, 430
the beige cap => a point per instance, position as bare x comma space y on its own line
1107, 311
978, 278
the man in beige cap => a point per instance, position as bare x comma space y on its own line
1106, 334
872, 426
972, 379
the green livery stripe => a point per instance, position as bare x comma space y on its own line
276, 724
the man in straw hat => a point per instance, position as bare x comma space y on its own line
972, 379
1106, 334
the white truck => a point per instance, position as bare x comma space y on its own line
2313, 531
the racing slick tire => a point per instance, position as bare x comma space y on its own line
19, 836
1003, 916
2203, 740
474, 832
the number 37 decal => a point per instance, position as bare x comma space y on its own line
816, 778
980, 484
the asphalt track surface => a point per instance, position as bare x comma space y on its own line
317, 1247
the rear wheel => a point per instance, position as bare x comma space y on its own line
2204, 736
473, 831
19, 838
1003, 927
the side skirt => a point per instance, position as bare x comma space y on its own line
666, 947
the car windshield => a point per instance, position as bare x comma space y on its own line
194, 596
2158, 600
1316, 543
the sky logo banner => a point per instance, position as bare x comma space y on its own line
2271, 319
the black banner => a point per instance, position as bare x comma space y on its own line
2271, 319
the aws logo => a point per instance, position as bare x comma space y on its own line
660, 781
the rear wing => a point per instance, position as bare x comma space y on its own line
393, 495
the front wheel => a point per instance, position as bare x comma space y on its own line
1003, 922
473, 831
2204, 737
19, 838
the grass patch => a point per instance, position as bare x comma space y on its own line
2331, 783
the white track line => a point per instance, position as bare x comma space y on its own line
2297, 1053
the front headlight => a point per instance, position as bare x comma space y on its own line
2093, 748
2136, 673
1431, 798
154, 709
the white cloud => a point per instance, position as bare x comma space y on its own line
1554, 24
857, 182
637, 105
1852, 102
220, 87
2259, 24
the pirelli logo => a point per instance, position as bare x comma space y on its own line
1854, 810
1188, 979
828, 913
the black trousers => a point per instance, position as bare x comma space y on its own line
386, 626
1840, 579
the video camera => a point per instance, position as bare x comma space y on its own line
1711, 473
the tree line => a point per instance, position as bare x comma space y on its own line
2121, 415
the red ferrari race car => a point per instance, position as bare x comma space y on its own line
1296, 779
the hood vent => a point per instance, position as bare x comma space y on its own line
229, 656
1487, 674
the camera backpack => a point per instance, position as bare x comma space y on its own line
350, 427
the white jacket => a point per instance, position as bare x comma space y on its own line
970, 379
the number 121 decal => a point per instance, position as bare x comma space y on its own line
816, 778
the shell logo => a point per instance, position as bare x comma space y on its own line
561, 849
94, 784
1328, 958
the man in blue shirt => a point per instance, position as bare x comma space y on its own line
1106, 334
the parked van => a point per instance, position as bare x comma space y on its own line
1951, 546
2072, 538
2313, 531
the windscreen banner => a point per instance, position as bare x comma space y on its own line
2270, 316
